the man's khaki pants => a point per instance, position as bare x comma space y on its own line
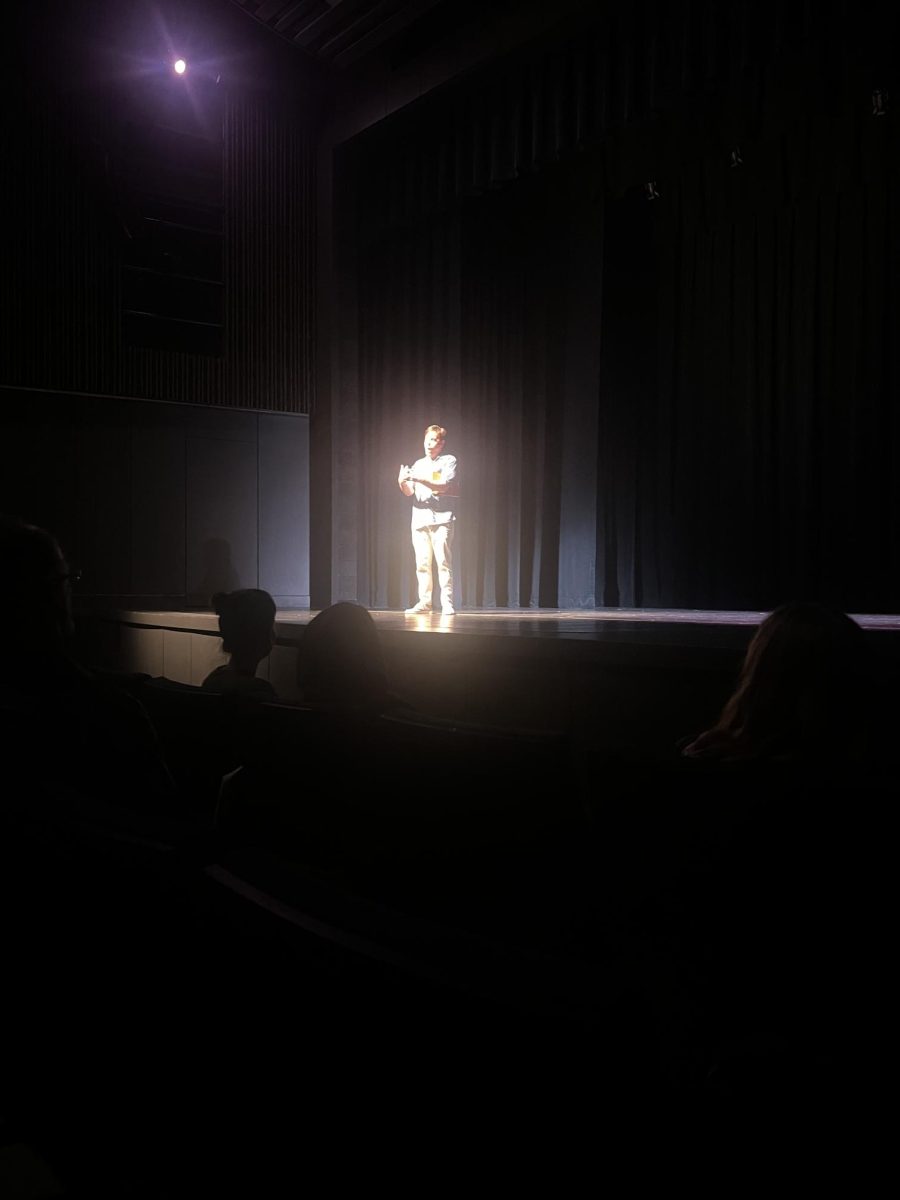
434, 542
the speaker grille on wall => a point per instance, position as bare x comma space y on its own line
170, 181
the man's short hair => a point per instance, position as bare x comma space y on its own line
439, 430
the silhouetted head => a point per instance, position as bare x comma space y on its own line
340, 661
802, 685
246, 621
35, 586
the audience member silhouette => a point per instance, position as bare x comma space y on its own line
807, 693
340, 662
782, 932
66, 733
277, 799
247, 625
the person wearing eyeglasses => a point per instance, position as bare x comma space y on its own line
65, 732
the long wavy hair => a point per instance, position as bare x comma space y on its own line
340, 663
802, 688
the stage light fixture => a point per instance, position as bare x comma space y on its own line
650, 189
179, 66
879, 102
736, 160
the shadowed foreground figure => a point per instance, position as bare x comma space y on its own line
783, 934
247, 625
343, 682
65, 733
340, 662
87, 801
807, 693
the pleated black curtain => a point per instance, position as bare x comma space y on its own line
748, 401
681, 401
532, 267
470, 320
408, 378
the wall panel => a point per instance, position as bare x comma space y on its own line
162, 504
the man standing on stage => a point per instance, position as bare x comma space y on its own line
431, 483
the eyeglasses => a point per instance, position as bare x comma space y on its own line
73, 575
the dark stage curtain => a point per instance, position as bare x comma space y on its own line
530, 301
408, 378
687, 401
748, 405
484, 319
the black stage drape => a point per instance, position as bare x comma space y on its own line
686, 400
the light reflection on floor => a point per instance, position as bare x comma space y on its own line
658, 625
